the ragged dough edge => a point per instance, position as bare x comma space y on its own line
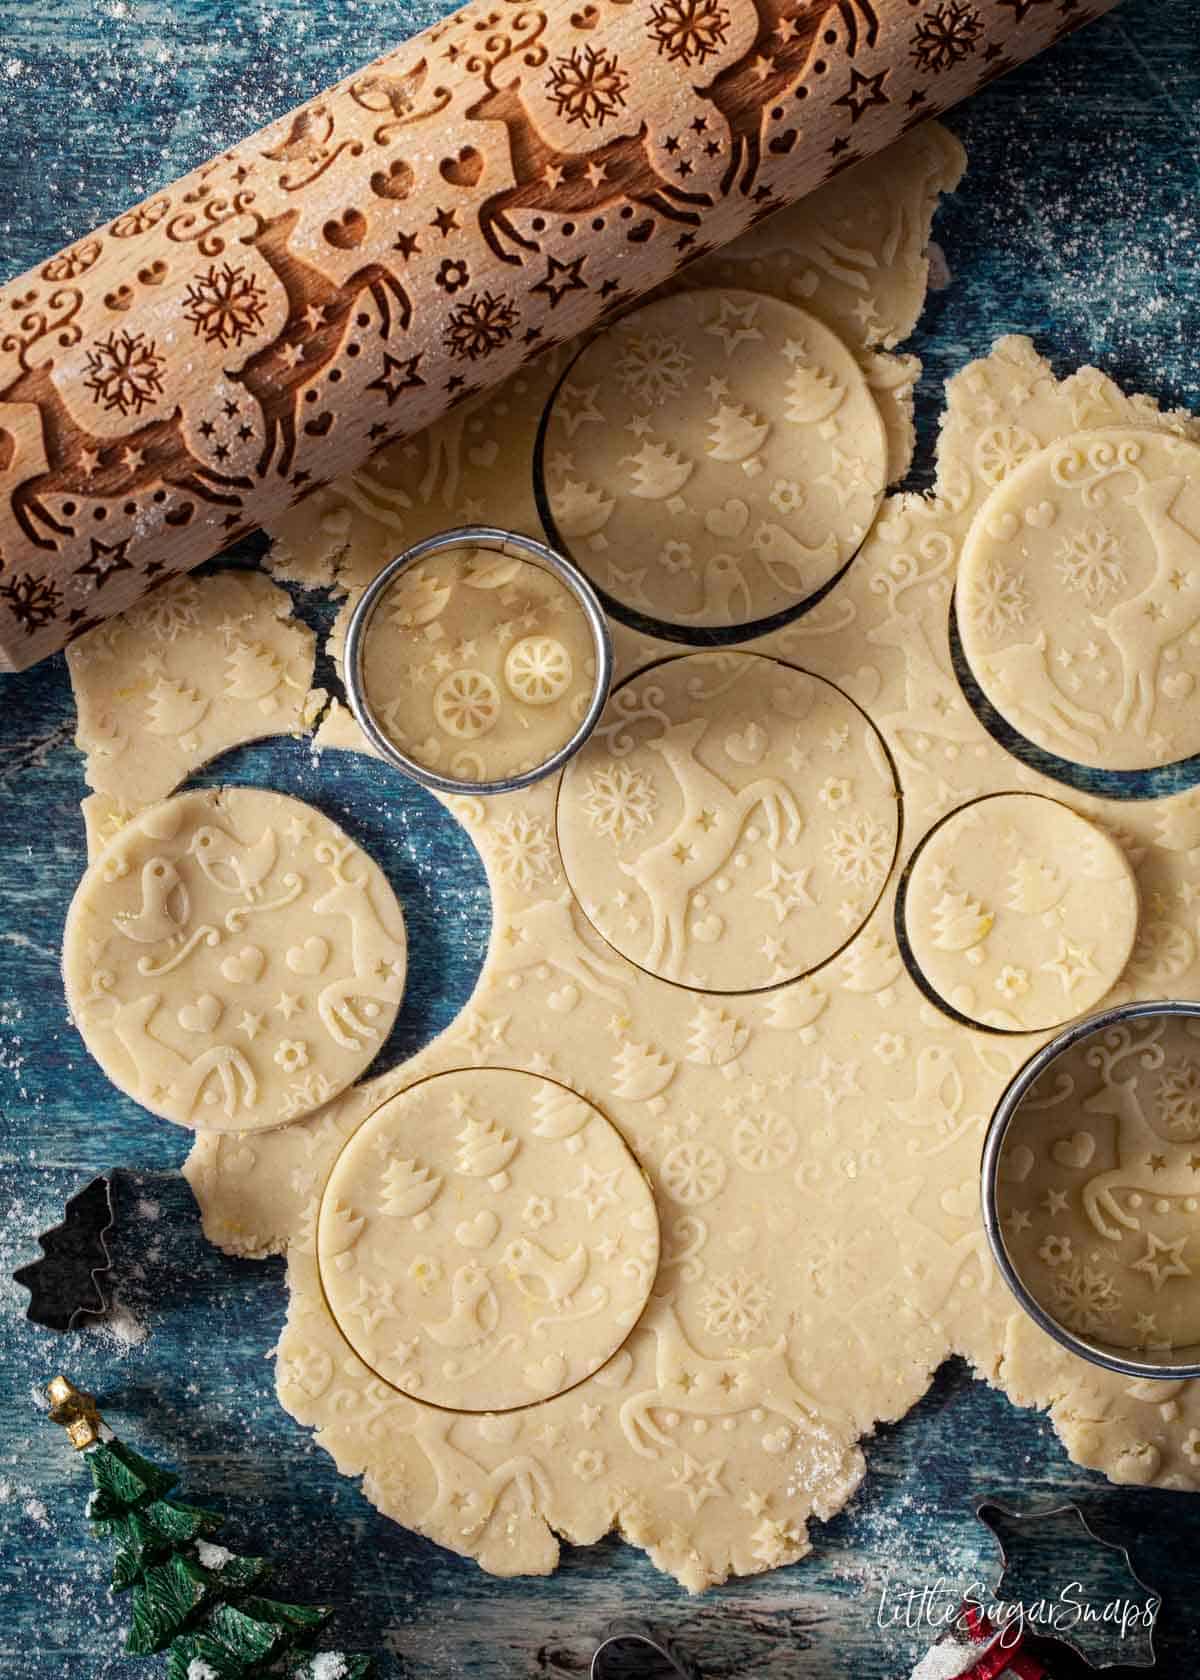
340, 537
215, 662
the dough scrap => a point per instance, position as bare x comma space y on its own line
1099, 1186
1019, 913
869, 1103
199, 666
1078, 596
486, 1241
731, 823
478, 665
233, 960
713, 459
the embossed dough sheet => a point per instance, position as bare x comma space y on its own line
837, 1118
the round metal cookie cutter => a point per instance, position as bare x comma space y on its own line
516, 547
1174, 1363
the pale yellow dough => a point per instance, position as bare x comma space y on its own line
714, 458
1099, 1188
731, 822
813, 1149
1078, 597
487, 1241
479, 666
1019, 913
233, 960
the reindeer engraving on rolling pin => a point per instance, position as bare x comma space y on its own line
785, 43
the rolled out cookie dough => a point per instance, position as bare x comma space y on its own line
1020, 914
731, 823
233, 960
713, 459
486, 1240
479, 666
1078, 594
1099, 1186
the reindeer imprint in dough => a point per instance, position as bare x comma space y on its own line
1020, 914
715, 840
522, 1279
708, 421
1104, 1229
1078, 594
186, 1016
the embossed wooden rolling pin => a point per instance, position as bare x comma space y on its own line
412, 236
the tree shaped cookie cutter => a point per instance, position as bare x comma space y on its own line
67, 1285
516, 547
1169, 1364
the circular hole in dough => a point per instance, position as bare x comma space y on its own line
233, 960
479, 666
1020, 915
486, 1240
1078, 594
731, 823
1098, 1189
712, 460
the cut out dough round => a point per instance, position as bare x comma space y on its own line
1078, 596
731, 823
1099, 1186
1019, 913
714, 459
486, 1240
478, 665
233, 960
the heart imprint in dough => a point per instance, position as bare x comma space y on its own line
547, 1374
477, 1232
729, 520
564, 999
748, 746
962, 1200
1041, 515
202, 1015
1016, 1164
309, 958
1075, 1151
245, 967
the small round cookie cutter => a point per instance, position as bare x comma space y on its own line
516, 547
1175, 1363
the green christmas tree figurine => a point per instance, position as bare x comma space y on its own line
190, 1597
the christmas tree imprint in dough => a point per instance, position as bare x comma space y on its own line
478, 665
486, 1240
1099, 1186
713, 459
1078, 594
731, 823
233, 960
1020, 915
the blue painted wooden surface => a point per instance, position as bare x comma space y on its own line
1078, 223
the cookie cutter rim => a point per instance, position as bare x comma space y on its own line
517, 547
1096, 1353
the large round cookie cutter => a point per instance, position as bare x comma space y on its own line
1174, 1364
516, 547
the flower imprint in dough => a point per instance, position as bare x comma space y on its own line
233, 960
1078, 596
731, 823
736, 426
486, 1240
1020, 915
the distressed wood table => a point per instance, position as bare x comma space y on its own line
1077, 223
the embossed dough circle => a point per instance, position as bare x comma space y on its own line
1020, 914
1078, 596
233, 960
469, 616
713, 459
1090, 1269
732, 822
486, 1240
